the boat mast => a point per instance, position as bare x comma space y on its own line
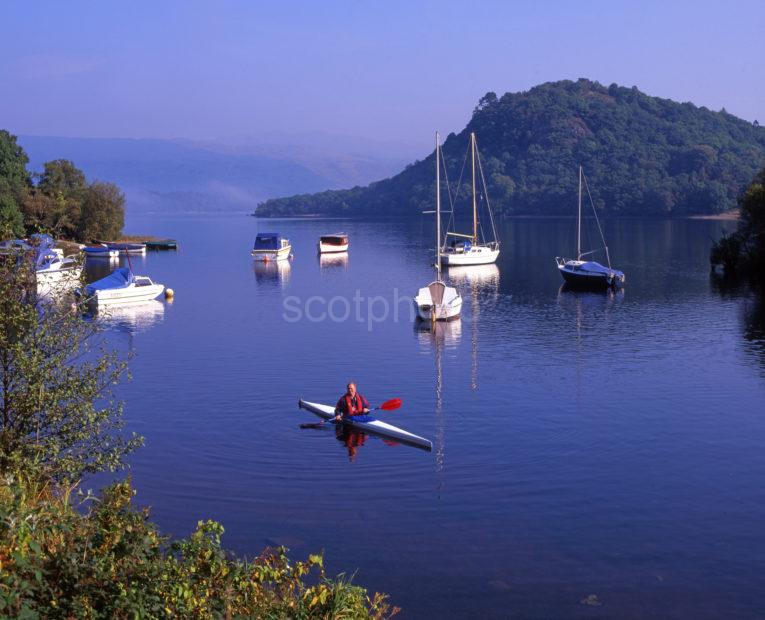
579, 221
475, 210
438, 212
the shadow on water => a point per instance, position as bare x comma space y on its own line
751, 301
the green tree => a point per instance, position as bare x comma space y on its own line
63, 187
11, 219
102, 214
57, 408
14, 183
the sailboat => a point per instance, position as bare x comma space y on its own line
436, 301
586, 273
465, 249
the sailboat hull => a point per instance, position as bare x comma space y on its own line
576, 275
476, 255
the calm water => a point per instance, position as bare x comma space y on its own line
585, 444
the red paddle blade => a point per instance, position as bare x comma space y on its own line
393, 403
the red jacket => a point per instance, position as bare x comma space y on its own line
348, 407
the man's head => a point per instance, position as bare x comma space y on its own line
352, 389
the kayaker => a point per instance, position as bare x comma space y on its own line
351, 403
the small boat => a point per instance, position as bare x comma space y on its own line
436, 301
121, 286
588, 273
471, 249
100, 251
54, 271
368, 424
162, 244
337, 242
271, 246
126, 248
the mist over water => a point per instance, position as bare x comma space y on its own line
604, 444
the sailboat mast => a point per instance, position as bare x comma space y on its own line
438, 212
579, 220
475, 210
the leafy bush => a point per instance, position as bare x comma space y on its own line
66, 557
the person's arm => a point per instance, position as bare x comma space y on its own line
364, 404
339, 409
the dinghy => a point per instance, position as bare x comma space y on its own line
100, 251
368, 424
337, 242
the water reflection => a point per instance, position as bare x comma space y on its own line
338, 260
132, 318
752, 302
436, 336
272, 273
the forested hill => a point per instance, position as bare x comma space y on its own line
642, 155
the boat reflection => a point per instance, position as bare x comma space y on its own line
334, 260
437, 336
132, 318
481, 277
351, 438
272, 273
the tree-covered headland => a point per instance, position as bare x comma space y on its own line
67, 554
59, 200
642, 155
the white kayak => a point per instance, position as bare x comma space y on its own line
368, 424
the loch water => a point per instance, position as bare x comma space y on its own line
596, 455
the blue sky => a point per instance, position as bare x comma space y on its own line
392, 70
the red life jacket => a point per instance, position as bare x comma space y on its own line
350, 409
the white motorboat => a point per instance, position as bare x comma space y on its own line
122, 287
337, 242
589, 274
271, 246
470, 249
437, 301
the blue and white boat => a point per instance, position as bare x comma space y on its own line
590, 274
271, 246
121, 286
100, 251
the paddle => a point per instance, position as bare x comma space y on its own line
388, 405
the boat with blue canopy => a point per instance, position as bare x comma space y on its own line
121, 286
271, 246
590, 274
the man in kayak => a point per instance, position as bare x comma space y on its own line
351, 403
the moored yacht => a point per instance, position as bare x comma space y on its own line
588, 273
437, 301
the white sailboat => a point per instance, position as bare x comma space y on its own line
588, 273
436, 301
468, 249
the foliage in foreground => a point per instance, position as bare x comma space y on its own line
56, 403
743, 251
109, 561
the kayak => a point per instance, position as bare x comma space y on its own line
368, 424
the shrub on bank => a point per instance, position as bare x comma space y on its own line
99, 557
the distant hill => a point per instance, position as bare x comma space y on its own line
642, 155
184, 175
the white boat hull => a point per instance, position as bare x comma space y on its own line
328, 248
269, 255
57, 280
370, 425
447, 309
476, 255
128, 295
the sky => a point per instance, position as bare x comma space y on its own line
392, 71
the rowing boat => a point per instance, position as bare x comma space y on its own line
368, 424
